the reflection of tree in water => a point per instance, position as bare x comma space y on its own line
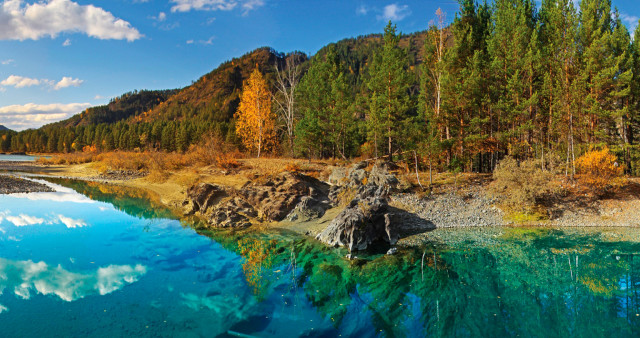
134, 202
526, 282
259, 256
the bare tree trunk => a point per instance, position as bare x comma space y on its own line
287, 81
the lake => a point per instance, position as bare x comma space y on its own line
96, 260
19, 158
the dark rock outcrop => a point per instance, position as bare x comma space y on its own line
279, 195
201, 196
266, 200
364, 221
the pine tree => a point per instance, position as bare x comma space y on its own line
327, 125
389, 84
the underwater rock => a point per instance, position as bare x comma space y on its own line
364, 221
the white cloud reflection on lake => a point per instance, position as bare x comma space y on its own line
27, 277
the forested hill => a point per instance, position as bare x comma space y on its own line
355, 53
215, 96
3, 128
128, 105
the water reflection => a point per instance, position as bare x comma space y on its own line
61, 194
25, 277
26, 220
472, 282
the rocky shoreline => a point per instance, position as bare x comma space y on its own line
12, 185
357, 207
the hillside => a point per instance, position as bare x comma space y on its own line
216, 95
127, 105
3, 128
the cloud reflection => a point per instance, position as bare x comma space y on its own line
26, 277
24, 220
61, 194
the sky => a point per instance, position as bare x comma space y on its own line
58, 57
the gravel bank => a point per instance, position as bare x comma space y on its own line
12, 185
471, 208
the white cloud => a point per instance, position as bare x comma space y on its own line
215, 5
25, 277
20, 81
66, 43
362, 10
394, 12
162, 16
67, 82
250, 5
207, 42
31, 115
98, 97
24, 21
7, 62
631, 21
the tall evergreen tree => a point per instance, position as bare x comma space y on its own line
389, 85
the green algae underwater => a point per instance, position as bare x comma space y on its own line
484, 282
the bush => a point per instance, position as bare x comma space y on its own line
599, 170
521, 186
213, 150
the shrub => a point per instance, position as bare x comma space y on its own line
599, 170
521, 186
213, 150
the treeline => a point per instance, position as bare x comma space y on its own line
505, 78
159, 135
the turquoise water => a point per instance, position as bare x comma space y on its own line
19, 158
109, 262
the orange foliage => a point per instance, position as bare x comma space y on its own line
256, 121
599, 169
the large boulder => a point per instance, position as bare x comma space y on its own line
363, 221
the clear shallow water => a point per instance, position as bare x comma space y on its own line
109, 262
19, 158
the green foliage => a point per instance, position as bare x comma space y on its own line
389, 96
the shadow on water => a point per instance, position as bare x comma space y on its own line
472, 282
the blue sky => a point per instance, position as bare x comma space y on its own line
58, 57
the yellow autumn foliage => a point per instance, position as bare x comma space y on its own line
256, 122
599, 170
